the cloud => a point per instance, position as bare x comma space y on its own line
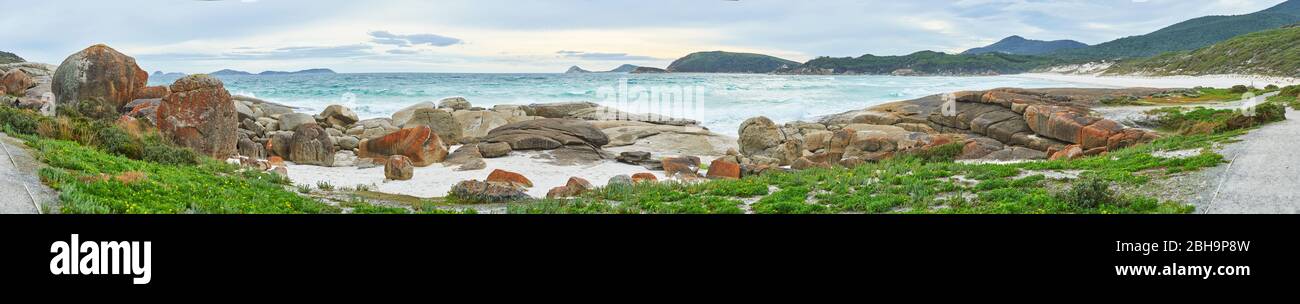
385, 37
284, 53
603, 56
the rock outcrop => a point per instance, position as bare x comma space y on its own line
97, 81
548, 134
761, 137
311, 145
420, 144
426, 114
198, 114
1000, 124
16, 81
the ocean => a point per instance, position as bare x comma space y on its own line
720, 102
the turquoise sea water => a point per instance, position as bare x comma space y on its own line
721, 101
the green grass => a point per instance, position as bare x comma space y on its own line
918, 184
83, 176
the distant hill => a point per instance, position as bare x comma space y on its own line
1188, 35
576, 70
924, 63
626, 68
1020, 46
7, 57
302, 72
648, 70
726, 62
161, 74
229, 72
1273, 53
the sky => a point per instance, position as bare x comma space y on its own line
545, 36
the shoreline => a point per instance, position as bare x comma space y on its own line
436, 180
1131, 81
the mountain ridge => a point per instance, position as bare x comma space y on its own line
1018, 45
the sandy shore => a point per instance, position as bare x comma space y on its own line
437, 180
1218, 81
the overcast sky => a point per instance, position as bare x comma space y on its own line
549, 36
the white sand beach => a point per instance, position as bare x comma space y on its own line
1218, 81
436, 180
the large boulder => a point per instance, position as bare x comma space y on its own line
340, 116
466, 158
759, 136
401, 117
455, 103
200, 115
477, 124
424, 114
311, 145
291, 121
557, 110
419, 143
248, 148
372, 128
548, 134
1057, 122
17, 82
99, 80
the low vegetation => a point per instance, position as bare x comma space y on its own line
910, 184
1201, 120
1270, 52
100, 168
932, 63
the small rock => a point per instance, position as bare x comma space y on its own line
681, 165
620, 180
723, 169
503, 176
634, 158
494, 150
473, 191
644, 177
399, 168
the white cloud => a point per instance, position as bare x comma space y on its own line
524, 36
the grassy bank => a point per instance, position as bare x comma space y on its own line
912, 185
99, 167
1114, 183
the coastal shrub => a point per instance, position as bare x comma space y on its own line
20, 121
99, 134
1292, 90
1271, 87
943, 153
1089, 193
1239, 89
1210, 121
156, 150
